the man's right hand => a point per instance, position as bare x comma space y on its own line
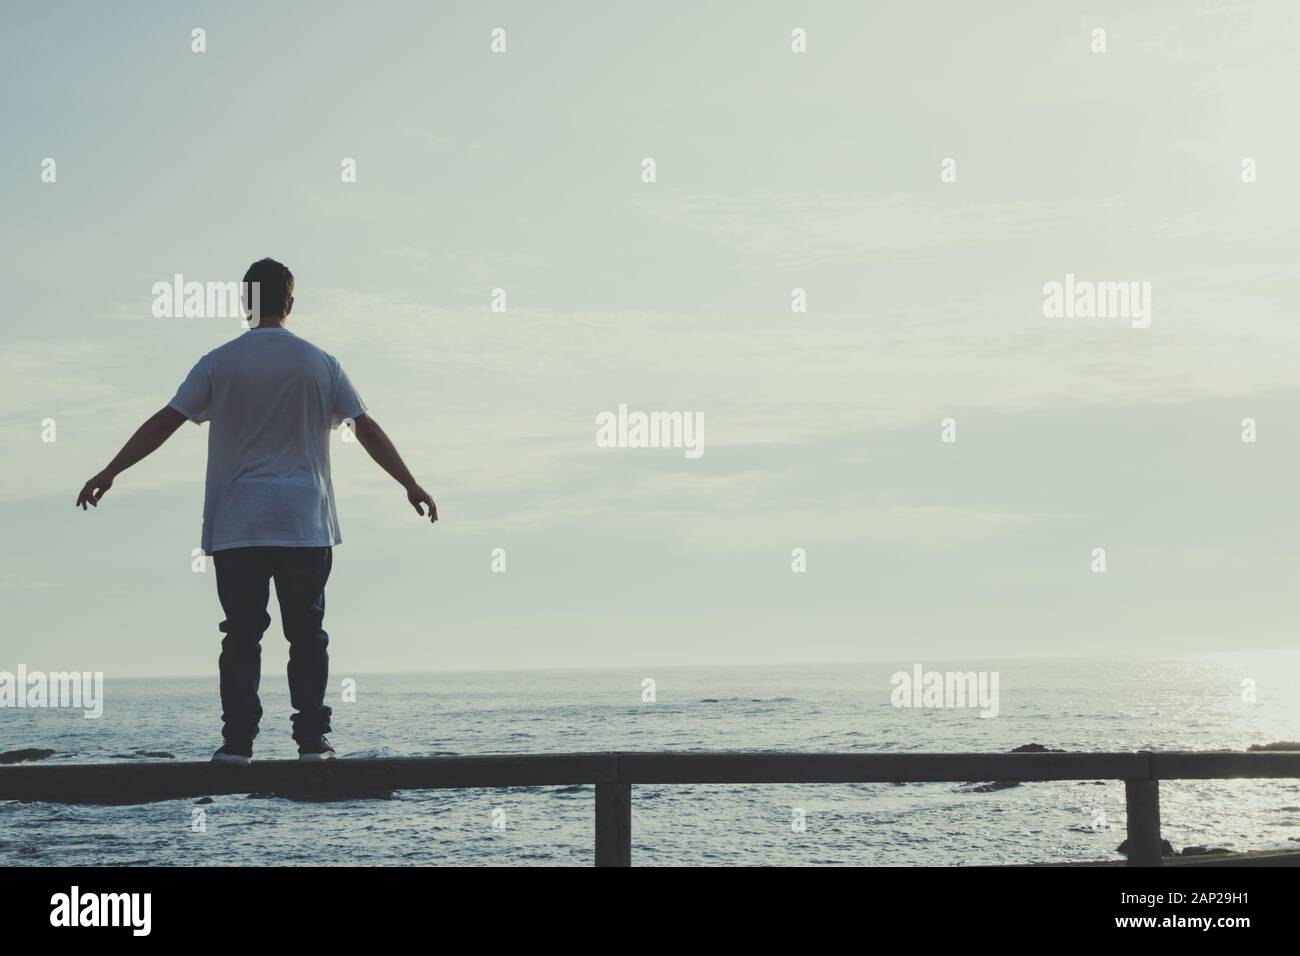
418, 497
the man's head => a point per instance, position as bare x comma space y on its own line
273, 300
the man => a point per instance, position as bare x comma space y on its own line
268, 507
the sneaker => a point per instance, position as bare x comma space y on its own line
239, 753
316, 748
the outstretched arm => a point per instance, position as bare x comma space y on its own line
381, 448
148, 438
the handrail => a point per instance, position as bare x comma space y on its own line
615, 773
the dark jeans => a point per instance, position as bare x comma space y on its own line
243, 585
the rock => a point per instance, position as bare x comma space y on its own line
309, 796
993, 785
1284, 745
202, 801
708, 700
1204, 850
1166, 848
30, 753
990, 787
158, 754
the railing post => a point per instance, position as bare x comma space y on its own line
1142, 802
613, 824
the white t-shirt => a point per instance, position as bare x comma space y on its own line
272, 399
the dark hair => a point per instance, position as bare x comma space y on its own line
274, 289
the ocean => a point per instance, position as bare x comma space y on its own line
1201, 703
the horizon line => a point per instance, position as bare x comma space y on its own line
1130, 655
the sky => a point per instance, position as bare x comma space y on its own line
829, 170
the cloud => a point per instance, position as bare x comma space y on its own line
809, 229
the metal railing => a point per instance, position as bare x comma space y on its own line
615, 774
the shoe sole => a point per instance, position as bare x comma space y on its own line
233, 759
329, 755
